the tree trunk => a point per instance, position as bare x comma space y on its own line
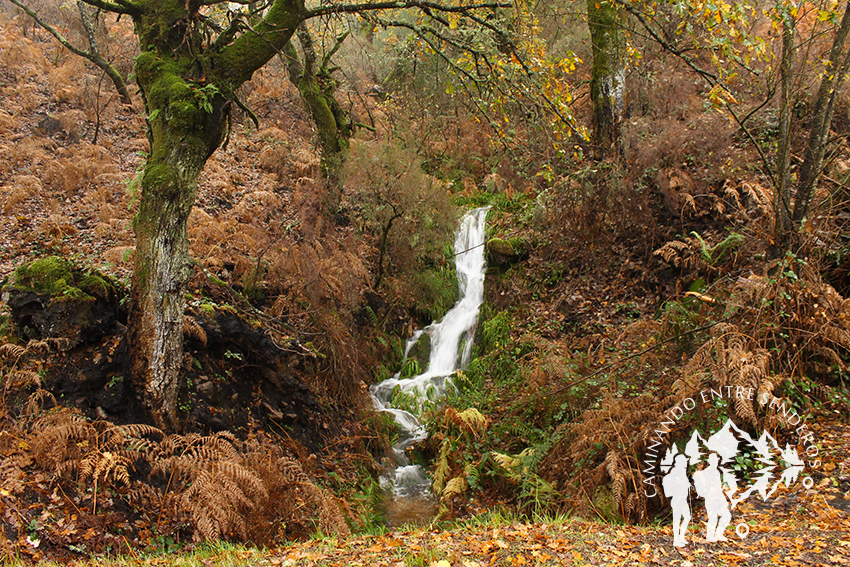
782, 207
316, 86
608, 77
824, 105
186, 124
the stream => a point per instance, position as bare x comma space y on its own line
450, 342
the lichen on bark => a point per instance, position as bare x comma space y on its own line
608, 77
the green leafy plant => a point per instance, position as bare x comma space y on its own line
205, 96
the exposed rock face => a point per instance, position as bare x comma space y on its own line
50, 298
234, 375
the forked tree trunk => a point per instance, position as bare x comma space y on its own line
188, 88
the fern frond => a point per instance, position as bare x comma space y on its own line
441, 472
192, 329
470, 420
455, 487
10, 350
23, 379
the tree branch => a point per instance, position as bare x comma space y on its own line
390, 5
50, 29
253, 49
93, 54
96, 57
118, 7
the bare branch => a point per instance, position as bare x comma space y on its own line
118, 7
423, 5
50, 29
96, 57
93, 54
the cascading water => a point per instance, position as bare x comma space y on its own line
451, 345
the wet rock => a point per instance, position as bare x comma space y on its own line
503, 252
421, 352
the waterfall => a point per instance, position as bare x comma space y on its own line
451, 345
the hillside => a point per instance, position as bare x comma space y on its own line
632, 301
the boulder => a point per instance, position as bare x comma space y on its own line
52, 298
505, 252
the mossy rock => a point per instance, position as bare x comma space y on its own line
421, 352
52, 298
509, 251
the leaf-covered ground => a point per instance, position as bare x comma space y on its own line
796, 527
570, 542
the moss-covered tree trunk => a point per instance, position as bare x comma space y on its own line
188, 91
317, 87
186, 119
608, 76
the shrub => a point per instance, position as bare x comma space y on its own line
407, 212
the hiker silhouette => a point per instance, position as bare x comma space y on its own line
676, 488
709, 485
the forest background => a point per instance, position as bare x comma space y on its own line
667, 186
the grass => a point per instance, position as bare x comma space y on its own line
218, 553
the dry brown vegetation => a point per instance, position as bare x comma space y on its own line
639, 283
259, 239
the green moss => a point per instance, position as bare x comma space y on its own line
160, 179
52, 276
57, 277
5, 326
45, 275
508, 251
95, 284
499, 246
156, 28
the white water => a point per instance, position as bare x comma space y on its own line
451, 346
